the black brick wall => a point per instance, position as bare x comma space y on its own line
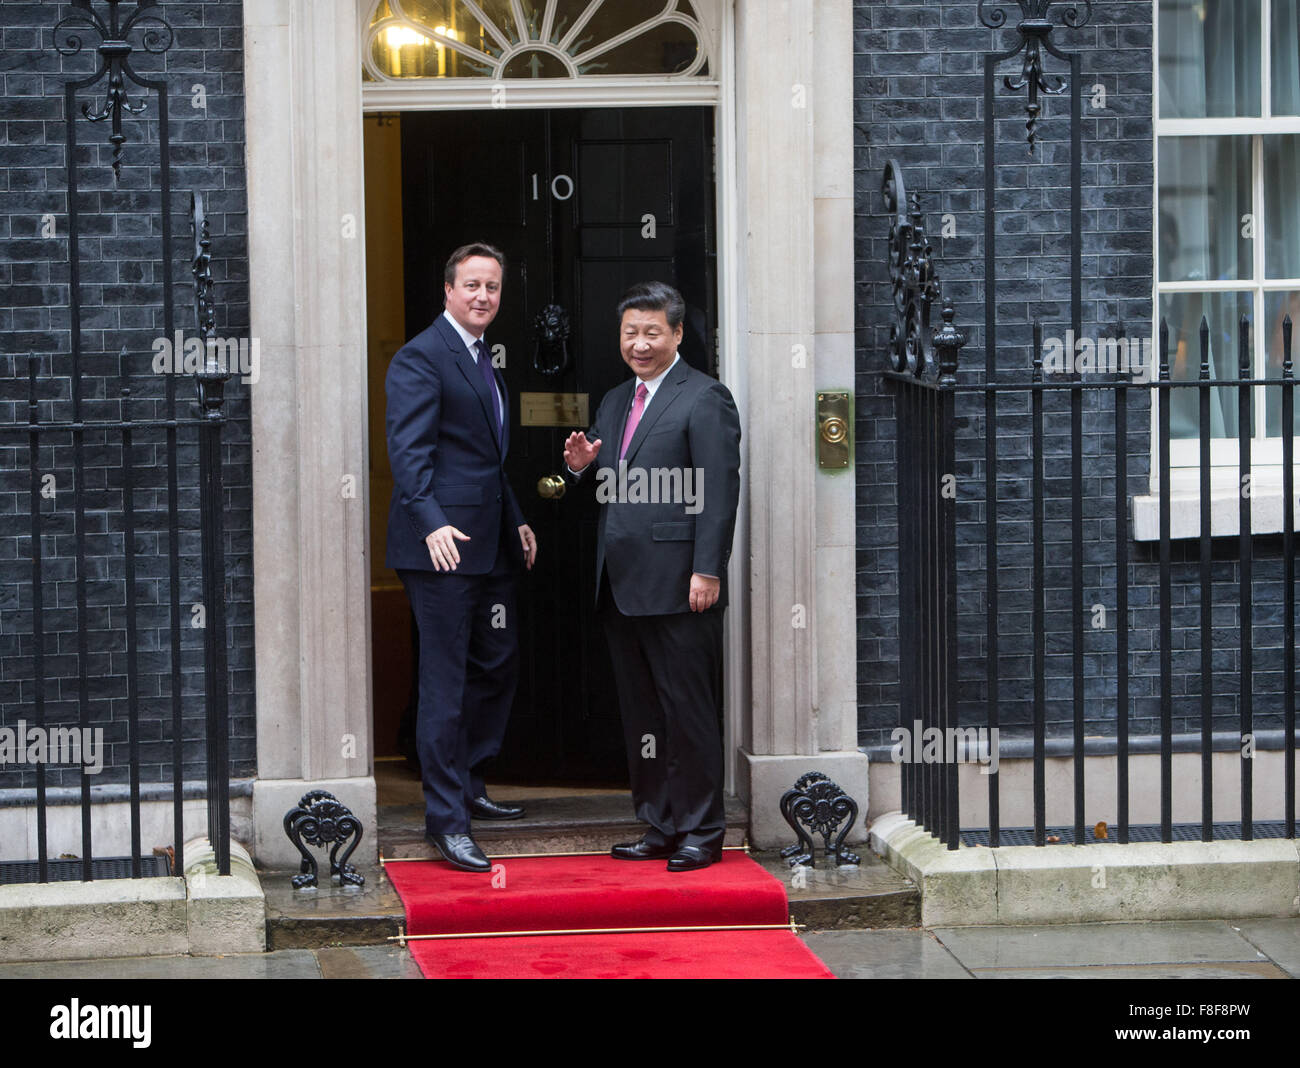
919, 98
121, 297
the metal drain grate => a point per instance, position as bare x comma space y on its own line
1148, 832
69, 871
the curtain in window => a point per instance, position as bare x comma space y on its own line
1205, 199
1282, 200
1210, 58
1223, 312
1285, 55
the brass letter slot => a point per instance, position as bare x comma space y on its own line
554, 409
834, 430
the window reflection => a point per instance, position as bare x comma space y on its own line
534, 39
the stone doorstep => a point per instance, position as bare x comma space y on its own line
549, 825
873, 895
827, 898
1091, 883
330, 915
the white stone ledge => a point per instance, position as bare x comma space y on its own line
1091, 883
202, 913
224, 913
105, 918
1185, 514
110, 823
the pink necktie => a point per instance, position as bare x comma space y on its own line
634, 417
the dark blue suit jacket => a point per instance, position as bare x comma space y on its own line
447, 464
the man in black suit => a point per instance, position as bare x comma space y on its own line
666, 445
456, 537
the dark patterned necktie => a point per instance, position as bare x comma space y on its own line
485, 369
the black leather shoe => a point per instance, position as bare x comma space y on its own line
484, 808
641, 850
460, 851
689, 858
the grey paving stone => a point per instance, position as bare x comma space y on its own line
1225, 970
368, 962
286, 964
1279, 940
1097, 943
889, 954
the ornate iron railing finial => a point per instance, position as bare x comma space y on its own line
1035, 35
201, 268
915, 283
114, 50
212, 378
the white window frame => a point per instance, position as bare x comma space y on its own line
1184, 453
382, 91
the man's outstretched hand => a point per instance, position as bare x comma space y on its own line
579, 452
529, 540
442, 547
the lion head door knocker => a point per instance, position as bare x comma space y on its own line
551, 347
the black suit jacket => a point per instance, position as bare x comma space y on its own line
649, 548
447, 464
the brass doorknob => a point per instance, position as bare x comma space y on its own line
834, 430
551, 487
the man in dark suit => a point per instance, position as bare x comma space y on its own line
456, 538
666, 445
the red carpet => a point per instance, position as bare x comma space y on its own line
676, 955
585, 893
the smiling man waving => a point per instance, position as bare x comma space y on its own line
661, 567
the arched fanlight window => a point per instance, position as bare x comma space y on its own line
501, 39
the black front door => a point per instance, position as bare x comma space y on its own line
584, 203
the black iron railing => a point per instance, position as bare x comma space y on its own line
930, 585
924, 364
937, 599
69, 408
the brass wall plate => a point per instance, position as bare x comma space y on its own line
554, 409
834, 429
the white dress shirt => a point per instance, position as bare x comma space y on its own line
653, 383
470, 341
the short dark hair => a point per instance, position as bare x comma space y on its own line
475, 248
655, 296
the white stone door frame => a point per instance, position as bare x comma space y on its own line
793, 235
786, 285
618, 92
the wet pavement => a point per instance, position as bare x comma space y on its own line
1209, 949
1206, 949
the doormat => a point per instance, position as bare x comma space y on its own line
582, 915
